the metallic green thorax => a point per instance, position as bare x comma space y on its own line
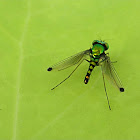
97, 49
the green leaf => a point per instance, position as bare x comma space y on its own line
35, 35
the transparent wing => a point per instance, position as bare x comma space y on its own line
110, 72
70, 61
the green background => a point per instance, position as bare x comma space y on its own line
36, 34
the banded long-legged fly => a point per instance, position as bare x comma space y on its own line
95, 56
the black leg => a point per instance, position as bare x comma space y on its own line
106, 91
67, 77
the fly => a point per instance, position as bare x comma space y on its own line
95, 56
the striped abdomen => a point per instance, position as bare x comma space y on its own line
91, 67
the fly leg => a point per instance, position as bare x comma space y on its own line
87, 60
67, 77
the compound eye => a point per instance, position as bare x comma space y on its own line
107, 46
94, 42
